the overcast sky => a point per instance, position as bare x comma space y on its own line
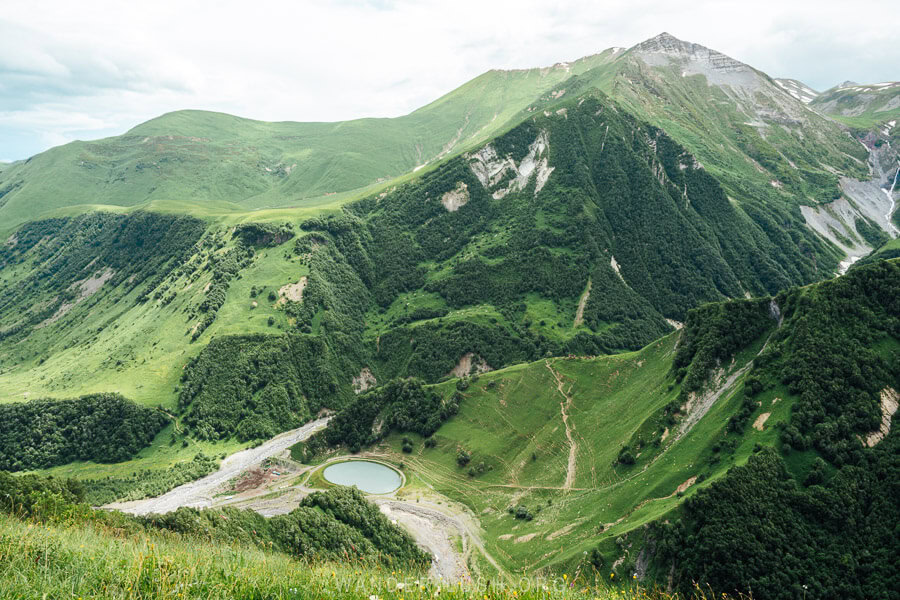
89, 69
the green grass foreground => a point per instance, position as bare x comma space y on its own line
55, 561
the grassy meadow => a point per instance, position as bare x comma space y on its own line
71, 560
511, 423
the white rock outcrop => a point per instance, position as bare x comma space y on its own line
500, 175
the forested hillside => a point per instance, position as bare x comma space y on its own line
102, 428
338, 524
614, 231
767, 411
591, 306
827, 495
581, 230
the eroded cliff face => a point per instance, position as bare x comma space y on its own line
501, 175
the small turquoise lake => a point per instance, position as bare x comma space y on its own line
369, 477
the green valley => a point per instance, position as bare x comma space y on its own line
631, 321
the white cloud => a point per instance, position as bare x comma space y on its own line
93, 68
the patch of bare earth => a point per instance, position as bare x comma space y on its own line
890, 400
699, 403
684, 486
364, 381
456, 198
561, 532
674, 323
760, 421
86, 288
292, 291
201, 493
525, 538
434, 531
579, 312
254, 478
615, 265
469, 363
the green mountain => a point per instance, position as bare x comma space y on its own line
672, 459
202, 162
583, 302
752, 449
868, 106
770, 151
580, 230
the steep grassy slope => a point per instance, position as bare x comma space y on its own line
580, 230
767, 149
548, 437
566, 456
864, 106
62, 559
199, 161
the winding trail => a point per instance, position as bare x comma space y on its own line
200, 493
434, 528
563, 408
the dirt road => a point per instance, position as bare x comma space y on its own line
200, 493
433, 530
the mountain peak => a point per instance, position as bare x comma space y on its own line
666, 42
663, 38
665, 49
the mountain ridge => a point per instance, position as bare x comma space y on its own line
593, 304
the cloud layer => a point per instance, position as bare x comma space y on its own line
95, 68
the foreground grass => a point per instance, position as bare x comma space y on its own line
85, 561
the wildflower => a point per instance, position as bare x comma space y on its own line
612, 575
400, 586
634, 576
